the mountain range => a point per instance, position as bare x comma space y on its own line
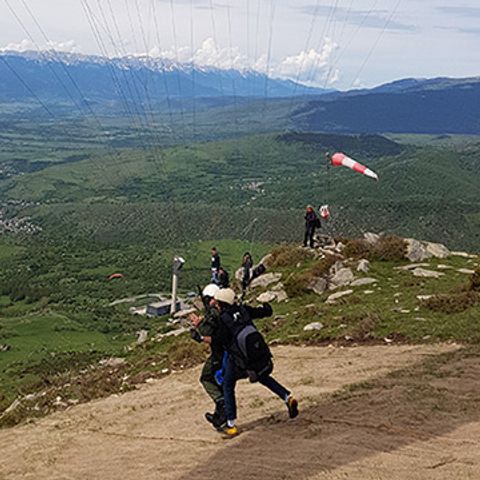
121, 86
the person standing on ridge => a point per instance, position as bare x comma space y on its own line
223, 278
311, 223
247, 265
215, 265
205, 330
247, 354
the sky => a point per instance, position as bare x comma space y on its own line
329, 43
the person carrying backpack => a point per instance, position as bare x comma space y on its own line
205, 331
311, 223
248, 354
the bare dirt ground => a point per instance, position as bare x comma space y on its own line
377, 412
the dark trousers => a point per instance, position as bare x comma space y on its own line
230, 380
309, 233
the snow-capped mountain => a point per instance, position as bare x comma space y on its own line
58, 77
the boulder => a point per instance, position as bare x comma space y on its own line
419, 251
266, 297
281, 296
422, 272
342, 277
319, 285
313, 326
416, 251
338, 265
267, 260
371, 238
363, 265
266, 279
437, 250
335, 296
359, 282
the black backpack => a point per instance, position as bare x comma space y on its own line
252, 354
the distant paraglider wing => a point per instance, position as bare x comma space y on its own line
116, 275
341, 160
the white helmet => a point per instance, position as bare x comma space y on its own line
225, 295
210, 290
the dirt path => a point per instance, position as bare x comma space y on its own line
415, 415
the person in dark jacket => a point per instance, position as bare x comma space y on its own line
215, 265
247, 265
223, 278
311, 222
231, 322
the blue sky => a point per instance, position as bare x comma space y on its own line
340, 43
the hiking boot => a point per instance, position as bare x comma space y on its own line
219, 417
210, 417
292, 405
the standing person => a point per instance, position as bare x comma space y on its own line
235, 322
206, 330
311, 222
223, 278
247, 265
215, 265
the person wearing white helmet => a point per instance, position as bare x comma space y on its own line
236, 326
205, 330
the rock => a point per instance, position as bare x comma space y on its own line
281, 296
467, 271
267, 260
319, 285
339, 247
404, 311
413, 266
184, 313
142, 336
266, 279
368, 292
444, 267
463, 255
266, 297
342, 277
363, 265
279, 286
112, 362
422, 272
363, 281
387, 340
336, 267
313, 326
371, 238
335, 296
13, 406
416, 251
437, 250
424, 297
4, 347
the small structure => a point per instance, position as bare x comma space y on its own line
159, 309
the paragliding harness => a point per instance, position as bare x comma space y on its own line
250, 352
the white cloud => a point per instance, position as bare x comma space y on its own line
27, 46
309, 66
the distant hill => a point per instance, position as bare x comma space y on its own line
435, 106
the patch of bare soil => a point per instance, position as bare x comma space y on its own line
376, 412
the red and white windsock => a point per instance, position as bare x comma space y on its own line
341, 160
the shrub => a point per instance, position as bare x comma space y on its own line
475, 281
289, 256
452, 302
387, 248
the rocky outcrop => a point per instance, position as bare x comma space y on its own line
418, 251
